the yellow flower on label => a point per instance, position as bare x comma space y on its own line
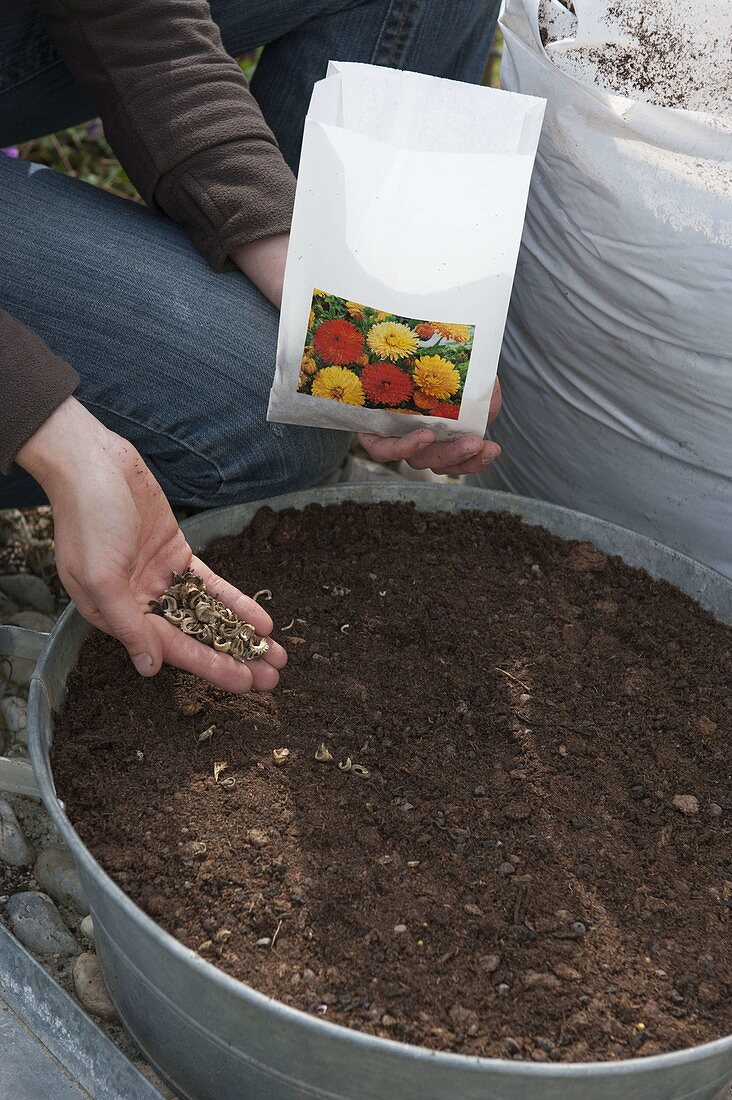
311, 318
308, 365
338, 384
459, 333
436, 377
318, 294
355, 310
381, 316
392, 340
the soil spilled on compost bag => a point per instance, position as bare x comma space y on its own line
537, 864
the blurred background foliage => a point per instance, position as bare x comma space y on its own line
84, 152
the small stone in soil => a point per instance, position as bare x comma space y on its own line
55, 872
37, 923
478, 792
506, 869
14, 848
686, 803
517, 811
258, 838
86, 928
464, 1019
90, 987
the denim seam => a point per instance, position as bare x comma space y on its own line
91, 404
394, 33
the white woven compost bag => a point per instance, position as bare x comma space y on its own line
616, 358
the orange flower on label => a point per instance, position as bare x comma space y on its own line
338, 384
445, 410
355, 310
392, 340
460, 334
386, 384
425, 330
308, 365
423, 400
436, 377
338, 341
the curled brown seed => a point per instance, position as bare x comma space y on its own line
189, 606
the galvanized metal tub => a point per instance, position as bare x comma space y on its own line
215, 1038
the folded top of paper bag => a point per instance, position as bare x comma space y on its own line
426, 113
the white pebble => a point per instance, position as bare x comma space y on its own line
14, 713
90, 987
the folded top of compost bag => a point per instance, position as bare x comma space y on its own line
410, 203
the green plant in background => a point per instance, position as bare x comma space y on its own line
84, 152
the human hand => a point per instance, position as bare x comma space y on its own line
467, 455
118, 543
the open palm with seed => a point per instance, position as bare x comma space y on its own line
117, 546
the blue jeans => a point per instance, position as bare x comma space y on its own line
177, 359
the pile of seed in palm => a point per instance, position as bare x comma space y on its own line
189, 606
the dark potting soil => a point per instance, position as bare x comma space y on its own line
538, 864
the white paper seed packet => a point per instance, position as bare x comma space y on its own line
408, 215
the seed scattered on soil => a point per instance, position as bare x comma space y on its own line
323, 754
207, 734
189, 707
279, 756
192, 609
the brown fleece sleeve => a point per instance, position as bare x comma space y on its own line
33, 382
179, 115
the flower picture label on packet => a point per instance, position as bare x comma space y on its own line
363, 356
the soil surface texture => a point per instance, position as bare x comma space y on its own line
537, 865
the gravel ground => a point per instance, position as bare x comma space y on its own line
41, 899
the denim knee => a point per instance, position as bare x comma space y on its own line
281, 458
